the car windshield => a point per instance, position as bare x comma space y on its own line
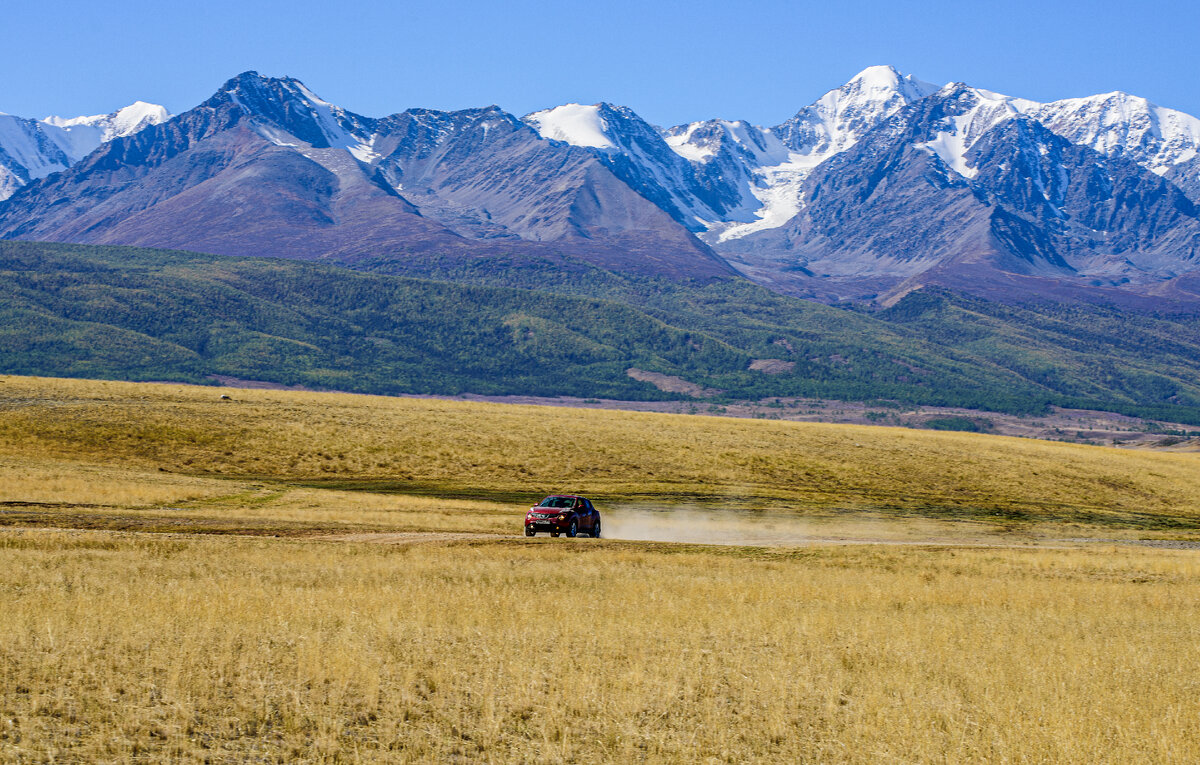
557, 502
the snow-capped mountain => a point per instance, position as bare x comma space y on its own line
32, 149
83, 135
266, 167
1164, 141
961, 187
782, 210
877, 187
765, 167
842, 116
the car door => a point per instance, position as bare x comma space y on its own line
591, 514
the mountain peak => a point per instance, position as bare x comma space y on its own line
838, 119
881, 82
249, 75
880, 73
252, 82
603, 125
80, 136
123, 121
250, 88
136, 116
286, 103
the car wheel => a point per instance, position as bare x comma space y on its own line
596, 530
573, 529
529, 531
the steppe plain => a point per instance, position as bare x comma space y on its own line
293, 576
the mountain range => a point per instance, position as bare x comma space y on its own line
884, 185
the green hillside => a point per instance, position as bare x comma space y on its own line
1022, 357
128, 313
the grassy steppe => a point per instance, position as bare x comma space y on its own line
222, 643
147, 648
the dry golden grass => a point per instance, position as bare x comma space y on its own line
69, 494
120, 646
510, 452
148, 647
62, 481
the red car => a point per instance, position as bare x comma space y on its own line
563, 514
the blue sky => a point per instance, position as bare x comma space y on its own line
670, 61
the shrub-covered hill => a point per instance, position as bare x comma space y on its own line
128, 313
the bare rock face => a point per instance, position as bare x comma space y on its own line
671, 383
772, 366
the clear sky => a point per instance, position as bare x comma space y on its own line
670, 61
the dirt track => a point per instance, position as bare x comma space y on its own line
419, 537
406, 537
435, 537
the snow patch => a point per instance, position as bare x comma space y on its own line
327, 116
778, 192
951, 146
576, 124
681, 144
275, 135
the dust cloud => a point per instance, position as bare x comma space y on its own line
726, 526
707, 526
